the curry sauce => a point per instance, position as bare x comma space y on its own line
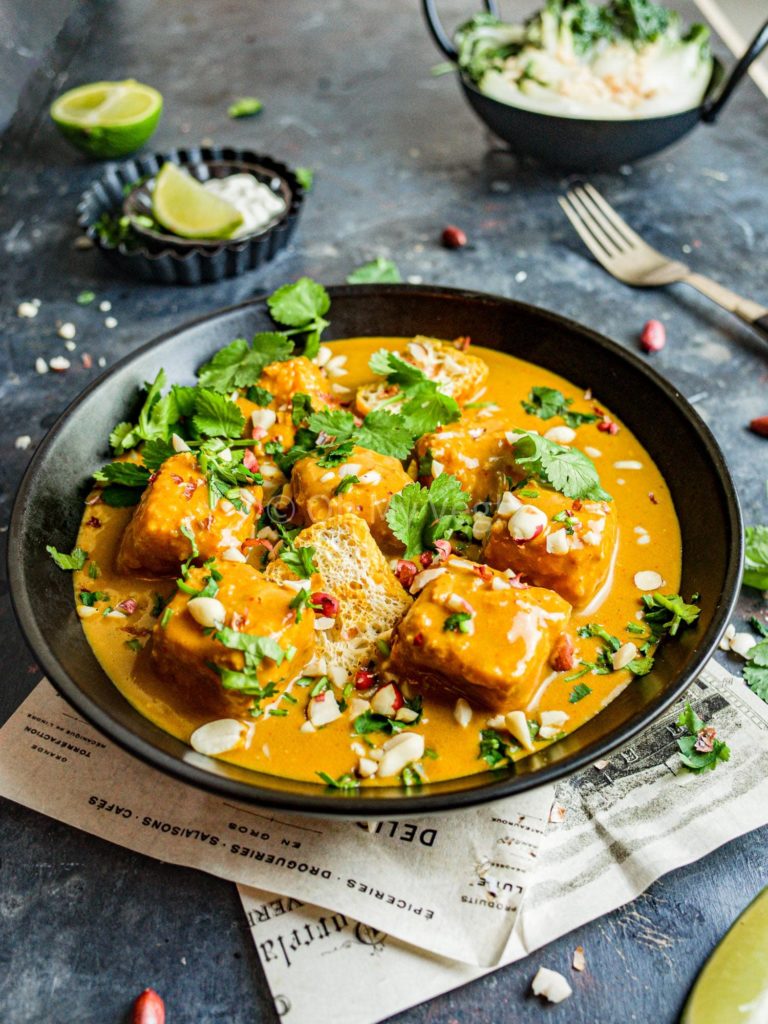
639, 535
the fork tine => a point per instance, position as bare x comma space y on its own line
594, 226
618, 222
594, 212
601, 254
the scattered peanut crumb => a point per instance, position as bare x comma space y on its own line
551, 985
70, 346
579, 961
600, 765
105, 306
82, 242
110, 322
102, 361
59, 363
67, 331
40, 365
22, 442
27, 310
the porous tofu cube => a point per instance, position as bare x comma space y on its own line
457, 372
377, 477
177, 496
554, 541
187, 652
473, 633
475, 450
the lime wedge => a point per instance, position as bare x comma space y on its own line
733, 986
108, 119
183, 206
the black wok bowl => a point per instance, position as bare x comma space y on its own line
49, 504
592, 144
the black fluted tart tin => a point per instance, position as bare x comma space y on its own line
150, 256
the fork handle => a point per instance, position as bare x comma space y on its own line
746, 309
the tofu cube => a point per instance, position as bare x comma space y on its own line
493, 653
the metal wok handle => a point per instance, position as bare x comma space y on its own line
438, 33
713, 107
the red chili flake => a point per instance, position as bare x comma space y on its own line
418, 640
255, 542
189, 489
482, 571
426, 558
136, 630
705, 740
598, 411
238, 621
405, 572
463, 343
93, 521
177, 479
564, 654
653, 498
328, 605
364, 679
759, 426
153, 477
443, 548
87, 361
577, 505
129, 605
249, 461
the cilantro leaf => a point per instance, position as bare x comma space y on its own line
566, 469
579, 692
155, 452
458, 622
298, 558
343, 781
156, 417
247, 106
495, 748
428, 408
756, 557
548, 402
665, 613
700, 750
217, 416
118, 496
346, 484
305, 177
419, 516
128, 474
118, 435
75, 560
259, 396
756, 670
369, 721
378, 271
238, 365
301, 408
387, 434
299, 304
396, 369
254, 648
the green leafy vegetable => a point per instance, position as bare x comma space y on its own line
756, 557
378, 271
247, 106
156, 417
259, 396
343, 781
579, 692
302, 306
410, 777
75, 560
666, 613
418, 516
239, 365
700, 750
216, 416
423, 407
346, 484
85, 298
459, 622
305, 177
299, 559
548, 402
91, 597
756, 670
496, 749
565, 469
369, 721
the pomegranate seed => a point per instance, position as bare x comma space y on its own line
418, 640
328, 605
443, 548
405, 572
149, 1008
364, 679
426, 558
129, 605
453, 237
653, 336
759, 426
249, 461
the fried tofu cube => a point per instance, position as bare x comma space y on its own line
320, 491
473, 633
475, 450
554, 541
187, 652
457, 373
352, 569
177, 496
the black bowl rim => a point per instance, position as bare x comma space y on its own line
718, 71
202, 250
341, 804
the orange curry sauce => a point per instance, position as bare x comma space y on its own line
648, 539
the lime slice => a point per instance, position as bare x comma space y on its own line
733, 987
108, 119
183, 206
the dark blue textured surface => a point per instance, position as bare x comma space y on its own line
85, 925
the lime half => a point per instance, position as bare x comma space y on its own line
108, 119
733, 986
183, 206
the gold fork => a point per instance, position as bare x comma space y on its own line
624, 254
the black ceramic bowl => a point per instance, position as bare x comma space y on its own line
590, 144
49, 504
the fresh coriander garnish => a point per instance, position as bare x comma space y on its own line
305, 177
410, 777
167, 614
666, 613
246, 106
548, 402
495, 748
85, 298
91, 597
564, 468
459, 622
369, 721
302, 600
346, 484
579, 692
423, 407
299, 559
259, 396
562, 517
125, 483
378, 271
756, 669
301, 408
418, 516
93, 571
343, 781
75, 560
756, 557
134, 645
700, 750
